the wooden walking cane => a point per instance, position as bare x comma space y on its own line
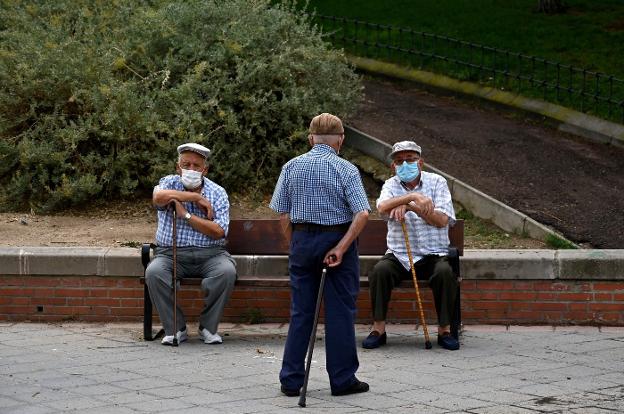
420, 309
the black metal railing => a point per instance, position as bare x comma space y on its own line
588, 91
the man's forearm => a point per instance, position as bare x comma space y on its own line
356, 227
207, 227
286, 226
386, 206
163, 197
435, 218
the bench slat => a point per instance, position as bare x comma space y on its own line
264, 237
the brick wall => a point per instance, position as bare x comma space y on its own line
97, 298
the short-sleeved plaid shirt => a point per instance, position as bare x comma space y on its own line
424, 238
188, 236
319, 187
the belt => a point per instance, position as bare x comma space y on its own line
313, 228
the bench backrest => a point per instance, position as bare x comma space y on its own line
264, 237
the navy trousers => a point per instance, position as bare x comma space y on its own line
307, 250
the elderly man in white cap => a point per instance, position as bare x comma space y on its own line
423, 201
202, 208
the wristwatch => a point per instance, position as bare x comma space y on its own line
187, 216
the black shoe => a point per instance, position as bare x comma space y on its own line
374, 340
288, 392
447, 341
355, 388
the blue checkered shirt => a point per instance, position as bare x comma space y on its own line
424, 238
319, 187
188, 236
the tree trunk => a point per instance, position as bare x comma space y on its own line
550, 6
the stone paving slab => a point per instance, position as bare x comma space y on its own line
107, 368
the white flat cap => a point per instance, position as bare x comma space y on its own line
405, 146
191, 146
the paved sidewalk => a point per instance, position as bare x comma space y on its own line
107, 368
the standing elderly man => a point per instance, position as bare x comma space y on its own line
423, 200
323, 208
202, 208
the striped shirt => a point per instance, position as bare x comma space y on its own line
188, 236
424, 238
319, 187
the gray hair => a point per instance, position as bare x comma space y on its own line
326, 139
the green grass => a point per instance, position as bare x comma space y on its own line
483, 234
590, 34
555, 242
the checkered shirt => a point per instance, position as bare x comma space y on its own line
319, 187
424, 238
188, 236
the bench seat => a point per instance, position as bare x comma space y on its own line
263, 239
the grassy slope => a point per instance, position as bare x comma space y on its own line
590, 34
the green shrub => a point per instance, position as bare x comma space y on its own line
96, 95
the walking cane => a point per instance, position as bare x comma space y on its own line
422, 314
174, 277
304, 389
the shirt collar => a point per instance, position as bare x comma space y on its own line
323, 149
406, 188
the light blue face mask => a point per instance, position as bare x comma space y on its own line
408, 171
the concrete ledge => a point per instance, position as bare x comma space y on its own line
571, 121
605, 264
69, 261
475, 264
510, 264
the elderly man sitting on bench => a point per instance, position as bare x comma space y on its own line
423, 200
202, 208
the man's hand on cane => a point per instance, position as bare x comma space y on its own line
333, 257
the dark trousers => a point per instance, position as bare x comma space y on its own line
389, 272
307, 250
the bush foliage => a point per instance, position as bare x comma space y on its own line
96, 95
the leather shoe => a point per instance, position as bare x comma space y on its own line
357, 387
447, 341
374, 340
288, 392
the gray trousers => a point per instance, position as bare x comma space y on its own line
217, 269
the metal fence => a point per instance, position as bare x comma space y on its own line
591, 92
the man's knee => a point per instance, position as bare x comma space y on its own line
229, 273
223, 274
156, 272
381, 271
443, 274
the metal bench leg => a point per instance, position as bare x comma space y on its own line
456, 321
147, 301
147, 314
148, 334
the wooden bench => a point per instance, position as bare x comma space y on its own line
264, 238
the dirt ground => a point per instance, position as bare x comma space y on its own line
116, 225
568, 183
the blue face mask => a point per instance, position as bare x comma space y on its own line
408, 171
